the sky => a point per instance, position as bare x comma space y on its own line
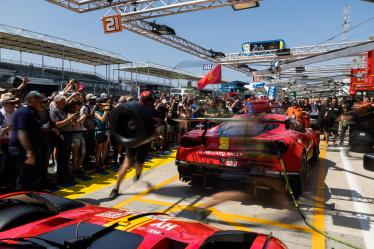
298, 22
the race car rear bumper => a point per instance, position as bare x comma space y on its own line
210, 174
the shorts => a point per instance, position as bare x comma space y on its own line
139, 153
101, 138
333, 128
78, 142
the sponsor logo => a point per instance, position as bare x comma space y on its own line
219, 153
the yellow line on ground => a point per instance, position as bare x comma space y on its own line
153, 188
318, 241
101, 181
227, 217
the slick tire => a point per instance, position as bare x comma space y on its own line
369, 162
297, 183
315, 156
131, 124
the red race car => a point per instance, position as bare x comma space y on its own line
43, 220
246, 148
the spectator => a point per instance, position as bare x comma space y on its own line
172, 114
101, 133
236, 106
78, 143
47, 141
25, 138
63, 121
87, 115
7, 170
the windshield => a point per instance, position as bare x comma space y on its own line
245, 129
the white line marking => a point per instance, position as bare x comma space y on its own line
360, 207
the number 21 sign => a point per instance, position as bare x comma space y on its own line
112, 24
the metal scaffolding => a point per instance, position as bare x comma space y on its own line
145, 29
296, 53
141, 9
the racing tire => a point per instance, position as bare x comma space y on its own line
369, 161
297, 183
315, 156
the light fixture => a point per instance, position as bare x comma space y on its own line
216, 54
161, 29
245, 5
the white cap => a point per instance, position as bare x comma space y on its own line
90, 96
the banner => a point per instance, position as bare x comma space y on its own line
359, 80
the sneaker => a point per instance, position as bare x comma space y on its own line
137, 177
113, 194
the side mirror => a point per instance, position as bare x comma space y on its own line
287, 122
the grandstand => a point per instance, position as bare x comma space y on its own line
54, 77
48, 78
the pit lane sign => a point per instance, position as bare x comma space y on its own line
112, 24
207, 66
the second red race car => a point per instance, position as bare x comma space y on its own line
42, 220
249, 149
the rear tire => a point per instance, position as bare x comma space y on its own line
297, 183
315, 156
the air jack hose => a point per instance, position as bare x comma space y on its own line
297, 206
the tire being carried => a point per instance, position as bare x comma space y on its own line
131, 124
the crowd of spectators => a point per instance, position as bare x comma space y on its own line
70, 128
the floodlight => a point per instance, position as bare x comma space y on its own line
217, 54
246, 5
161, 29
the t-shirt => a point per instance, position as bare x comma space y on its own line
89, 123
7, 117
333, 113
58, 115
6, 120
26, 119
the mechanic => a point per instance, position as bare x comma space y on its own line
334, 114
25, 138
347, 105
295, 112
322, 117
139, 153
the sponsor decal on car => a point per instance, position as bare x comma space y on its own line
219, 153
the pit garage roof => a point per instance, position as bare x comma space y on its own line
159, 71
37, 43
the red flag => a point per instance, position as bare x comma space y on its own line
213, 77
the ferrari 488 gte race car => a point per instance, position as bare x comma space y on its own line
42, 220
249, 149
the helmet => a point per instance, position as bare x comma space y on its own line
147, 98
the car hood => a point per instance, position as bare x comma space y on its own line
153, 227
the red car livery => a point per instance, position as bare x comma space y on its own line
246, 148
42, 220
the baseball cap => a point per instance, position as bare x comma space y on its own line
33, 94
90, 96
